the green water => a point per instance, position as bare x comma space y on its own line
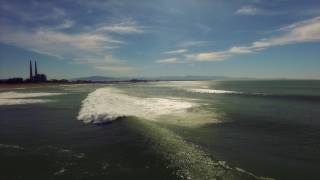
267, 128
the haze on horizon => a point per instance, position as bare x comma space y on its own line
237, 38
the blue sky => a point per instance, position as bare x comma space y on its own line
143, 38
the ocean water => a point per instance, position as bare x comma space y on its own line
162, 130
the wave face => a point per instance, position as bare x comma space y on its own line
108, 104
15, 98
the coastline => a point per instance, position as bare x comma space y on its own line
27, 85
43, 84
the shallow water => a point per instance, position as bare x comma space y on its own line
162, 130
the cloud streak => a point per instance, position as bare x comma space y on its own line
52, 29
125, 27
301, 32
248, 10
186, 44
58, 44
94, 44
168, 61
106, 63
253, 10
178, 51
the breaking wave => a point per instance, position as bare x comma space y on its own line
187, 160
107, 104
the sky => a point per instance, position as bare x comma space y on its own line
151, 38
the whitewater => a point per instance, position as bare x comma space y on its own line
108, 104
16, 98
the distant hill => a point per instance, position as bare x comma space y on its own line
99, 78
163, 78
190, 78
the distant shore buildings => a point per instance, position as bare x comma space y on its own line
33, 78
36, 77
42, 78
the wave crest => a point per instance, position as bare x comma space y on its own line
108, 104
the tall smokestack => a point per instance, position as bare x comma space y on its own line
35, 68
30, 70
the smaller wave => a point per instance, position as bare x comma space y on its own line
58, 151
61, 171
214, 91
15, 98
4, 102
182, 84
18, 95
9, 146
259, 94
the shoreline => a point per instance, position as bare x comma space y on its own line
28, 85
43, 84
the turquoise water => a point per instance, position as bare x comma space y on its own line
162, 130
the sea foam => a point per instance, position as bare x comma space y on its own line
213, 91
108, 104
182, 84
15, 98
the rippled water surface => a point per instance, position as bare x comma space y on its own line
162, 130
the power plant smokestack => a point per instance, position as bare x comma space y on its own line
31, 71
35, 68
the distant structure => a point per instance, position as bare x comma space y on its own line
31, 76
36, 77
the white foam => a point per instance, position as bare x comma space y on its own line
17, 95
11, 146
108, 104
182, 84
4, 102
61, 171
213, 91
16, 98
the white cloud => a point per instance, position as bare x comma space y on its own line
85, 47
56, 43
106, 63
54, 32
300, 32
178, 51
192, 44
240, 50
168, 61
99, 61
66, 24
207, 56
248, 10
253, 10
34, 11
125, 27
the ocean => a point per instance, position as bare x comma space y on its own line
162, 130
